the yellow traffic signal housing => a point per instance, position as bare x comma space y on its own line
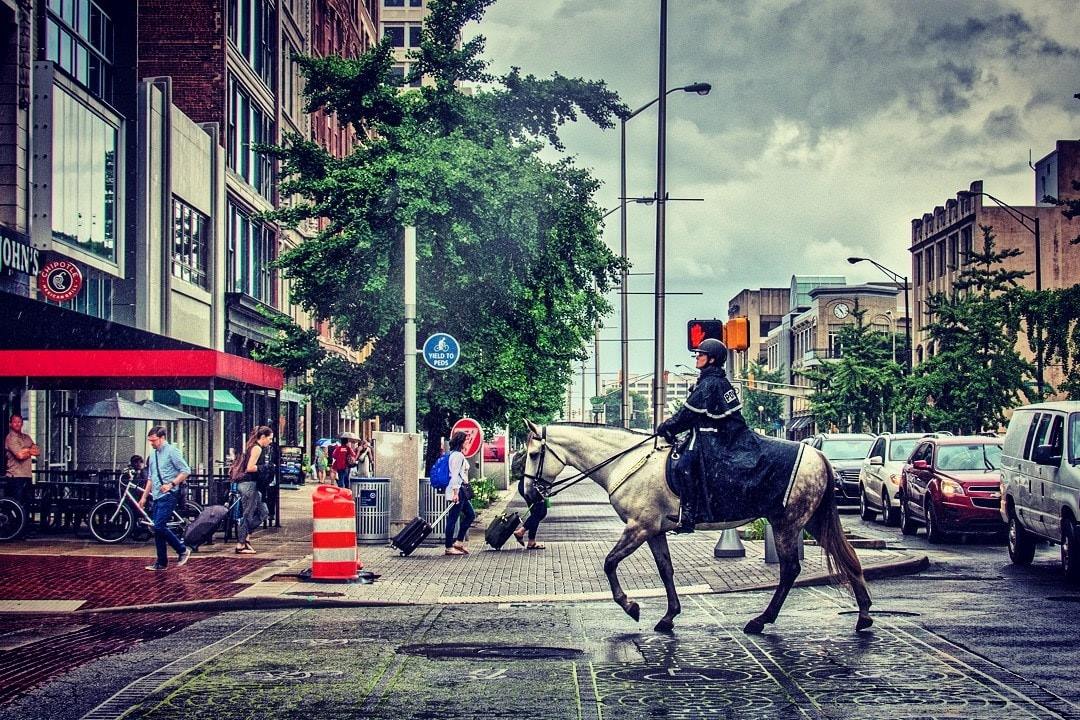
737, 333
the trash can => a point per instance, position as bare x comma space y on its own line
372, 510
432, 505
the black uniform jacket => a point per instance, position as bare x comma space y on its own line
725, 471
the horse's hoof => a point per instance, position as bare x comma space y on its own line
864, 623
633, 611
664, 625
754, 627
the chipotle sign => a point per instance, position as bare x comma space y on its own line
60, 280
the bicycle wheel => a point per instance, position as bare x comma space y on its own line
12, 519
110, 521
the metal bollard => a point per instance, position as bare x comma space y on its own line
770, 546
729, 545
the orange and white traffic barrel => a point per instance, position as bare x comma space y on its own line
333, 539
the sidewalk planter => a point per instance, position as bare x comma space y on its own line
372, 497
432, 504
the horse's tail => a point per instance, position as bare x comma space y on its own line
825, 525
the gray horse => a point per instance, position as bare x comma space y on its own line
636, 487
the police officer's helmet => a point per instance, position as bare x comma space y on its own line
714, 349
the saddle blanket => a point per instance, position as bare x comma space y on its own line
732, 479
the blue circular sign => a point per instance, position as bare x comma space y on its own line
441, 351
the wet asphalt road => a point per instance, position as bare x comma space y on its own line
972, 637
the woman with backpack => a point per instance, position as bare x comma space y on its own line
250, 472
458, 492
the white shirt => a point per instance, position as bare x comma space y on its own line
459, 473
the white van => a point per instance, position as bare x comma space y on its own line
1040, 481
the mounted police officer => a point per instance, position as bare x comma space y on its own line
721, 445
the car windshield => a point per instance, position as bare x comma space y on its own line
846, 449
901, 449
980, 457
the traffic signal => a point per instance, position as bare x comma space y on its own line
737, 333
698, 331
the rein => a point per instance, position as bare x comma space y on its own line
549, 488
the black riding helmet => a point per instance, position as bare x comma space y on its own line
714, 349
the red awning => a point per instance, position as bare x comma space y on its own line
137, 369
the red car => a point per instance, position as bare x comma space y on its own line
952, 485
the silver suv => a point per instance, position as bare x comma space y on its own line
845, 452
879, 475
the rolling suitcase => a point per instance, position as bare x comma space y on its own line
501, 528
202, 528
415, 533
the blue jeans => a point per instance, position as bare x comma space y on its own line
163, 510
464, 509
343, 478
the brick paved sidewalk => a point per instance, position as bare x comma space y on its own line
579, 531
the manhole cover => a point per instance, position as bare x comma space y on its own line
317, 593
884, 613
477, 650
1064, 598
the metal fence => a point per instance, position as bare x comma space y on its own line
372, 498
432, 505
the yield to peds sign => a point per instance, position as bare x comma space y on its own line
441, 351
474, 435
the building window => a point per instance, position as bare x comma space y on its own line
84, 177
401, 70
95, 298
941, 258
396, 33
291, 82
953, 252
403, 35
248, 127
965, 244
251, 249
929, 255
918, 269
79, 40
251, 30
189, 251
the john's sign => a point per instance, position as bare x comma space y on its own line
17, 255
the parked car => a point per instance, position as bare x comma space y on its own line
952, 485
846, 452
1041, 481
879, 476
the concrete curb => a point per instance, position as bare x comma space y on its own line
908, 566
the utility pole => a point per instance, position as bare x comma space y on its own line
410, 329
659, 390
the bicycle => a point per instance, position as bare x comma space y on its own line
112, 521
12, 519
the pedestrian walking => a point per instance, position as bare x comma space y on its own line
535, 502
166, 473
320, 464
19, 451
458, 492
251, 473
343, 460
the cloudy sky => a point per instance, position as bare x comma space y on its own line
831, 125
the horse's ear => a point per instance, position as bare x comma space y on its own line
533, 428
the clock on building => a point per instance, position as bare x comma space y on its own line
841, 310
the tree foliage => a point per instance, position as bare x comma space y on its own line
1056, 314
771, 404
976, 371
510, 258
858, 391
639, 409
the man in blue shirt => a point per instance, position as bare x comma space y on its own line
166, 471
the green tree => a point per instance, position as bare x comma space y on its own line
975, 372
510, 258
639, 409
1056, 313
859, 390
771, 404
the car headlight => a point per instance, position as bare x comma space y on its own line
951, 488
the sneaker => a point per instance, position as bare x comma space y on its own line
156, 567
184, 556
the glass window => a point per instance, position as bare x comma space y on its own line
393, 3
396, 33
965, 244
1074, 438
941, 258
845, 449
249, 127
78, 40
1037, 430
84, 179
901, 449
416, 3
251, 30
976, 457
251, 250
415, 31
953, 251
189, 254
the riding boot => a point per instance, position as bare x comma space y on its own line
687, 524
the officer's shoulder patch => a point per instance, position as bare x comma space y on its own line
730, 396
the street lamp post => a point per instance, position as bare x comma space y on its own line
1023, 219
699, 88
898, 279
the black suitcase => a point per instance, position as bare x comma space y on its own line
501, 528
414, 533
202, 528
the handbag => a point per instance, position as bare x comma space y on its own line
465, 492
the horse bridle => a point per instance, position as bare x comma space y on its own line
548, 488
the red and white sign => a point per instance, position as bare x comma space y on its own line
60, 280
474, 435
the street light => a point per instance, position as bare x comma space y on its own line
898, 279
699, 88
1023, 219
